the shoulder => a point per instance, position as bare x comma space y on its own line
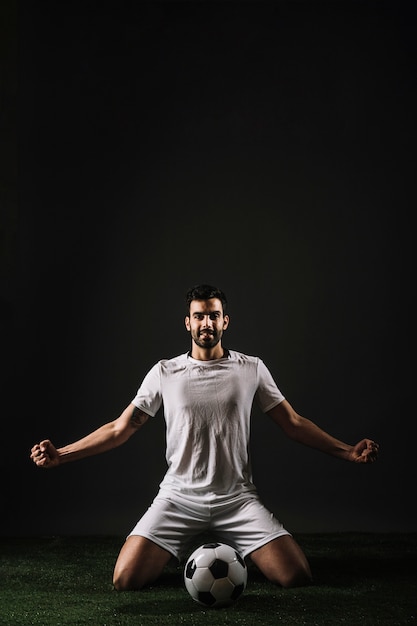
243, 359
165, 368
252, 362
172, 364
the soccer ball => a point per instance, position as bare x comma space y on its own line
215, 575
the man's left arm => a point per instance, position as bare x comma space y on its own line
305, 431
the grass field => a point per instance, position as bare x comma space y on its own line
360, 579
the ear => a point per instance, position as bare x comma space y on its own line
226, 321
187, 323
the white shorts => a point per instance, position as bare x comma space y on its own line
173, 522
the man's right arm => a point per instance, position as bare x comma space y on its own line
107, 437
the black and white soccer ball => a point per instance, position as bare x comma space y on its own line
215, 575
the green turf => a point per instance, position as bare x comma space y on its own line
360, 579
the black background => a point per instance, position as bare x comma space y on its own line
268, 148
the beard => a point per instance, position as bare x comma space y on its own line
206, 338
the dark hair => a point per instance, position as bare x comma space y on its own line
205, 292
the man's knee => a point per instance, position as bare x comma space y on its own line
134, 578
140, 563
123, 582
297, 578
289, 578
283, 563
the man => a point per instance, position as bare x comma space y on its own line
207, 396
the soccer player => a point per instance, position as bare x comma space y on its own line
207, 396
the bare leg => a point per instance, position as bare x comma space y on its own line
283, 562
140, 563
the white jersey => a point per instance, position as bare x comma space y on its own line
207, 407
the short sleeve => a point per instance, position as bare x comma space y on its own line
267, 394
149, 395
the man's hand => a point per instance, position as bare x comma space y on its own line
44, 454
366, 451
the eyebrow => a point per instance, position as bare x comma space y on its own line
208, 313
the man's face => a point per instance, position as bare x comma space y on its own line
206, 322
